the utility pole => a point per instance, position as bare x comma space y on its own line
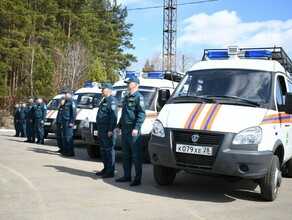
169, 35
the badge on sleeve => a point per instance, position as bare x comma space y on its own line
73, 105
142, 103
113, 106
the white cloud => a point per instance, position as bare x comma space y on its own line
225, 28
143, 39
128, 2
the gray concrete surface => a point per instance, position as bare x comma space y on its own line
36, 183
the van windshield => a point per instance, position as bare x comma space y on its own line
53, 104
225, 85
148, 93
84, 100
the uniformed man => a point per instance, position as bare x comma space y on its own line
59, 125
40, 119
16, 116
29, 116
22, 120
132, 118
69, 114
106, 119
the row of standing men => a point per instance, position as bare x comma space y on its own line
132, 118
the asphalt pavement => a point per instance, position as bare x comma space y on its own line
37, 183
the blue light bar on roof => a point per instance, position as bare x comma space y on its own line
258, 54
130, 74
90, 84
217, 54
155, 75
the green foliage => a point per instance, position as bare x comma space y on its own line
35, 34
148, 67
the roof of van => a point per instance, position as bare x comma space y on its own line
157, 83
94, 89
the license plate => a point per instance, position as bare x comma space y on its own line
48, 123
74, 127
95, 133
191, 149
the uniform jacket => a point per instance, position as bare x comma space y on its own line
40, 111
29, 111
69, 111
107, 113
133, 112
16, 115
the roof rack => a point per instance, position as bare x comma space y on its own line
278, 54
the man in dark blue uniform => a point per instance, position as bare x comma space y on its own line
29, 116
16, 116
22, 120
40, 119
106, 119
69, 113
59, 126
132, 118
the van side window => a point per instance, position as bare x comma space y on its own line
281, 91
290, 86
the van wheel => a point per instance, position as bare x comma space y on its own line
46, 133
271, 182
164, 175
288, 168
93, 151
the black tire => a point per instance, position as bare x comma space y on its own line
288, 168
271, 182
46, 133
93, 151
164, 175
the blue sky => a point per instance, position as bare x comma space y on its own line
216, 24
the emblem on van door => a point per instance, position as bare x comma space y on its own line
195, 138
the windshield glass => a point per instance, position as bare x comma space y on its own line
53, 104
249, 85
84, 100
148, 93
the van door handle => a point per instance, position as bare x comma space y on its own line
287, 125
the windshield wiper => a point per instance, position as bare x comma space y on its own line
183, 99
236, 98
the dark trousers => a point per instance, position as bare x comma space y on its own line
22, 128
30, 133
132, 153
59, 136
39, 130
107, 150
17, 128
67, 137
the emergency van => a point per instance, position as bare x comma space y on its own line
150, 85
229, 116
84, 102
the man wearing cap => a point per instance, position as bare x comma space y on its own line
132, 118
40, 119
29, 116
22, 120
69, 113
59, 125
106, 119
16, 116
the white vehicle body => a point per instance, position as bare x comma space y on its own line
227, 117
149, 88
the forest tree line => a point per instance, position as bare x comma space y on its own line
50, 45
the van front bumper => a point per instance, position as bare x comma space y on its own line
227, 159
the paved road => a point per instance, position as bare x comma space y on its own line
36, 183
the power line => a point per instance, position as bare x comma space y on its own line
161, 6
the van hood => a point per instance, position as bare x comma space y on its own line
211, 117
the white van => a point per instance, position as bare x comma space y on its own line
150, 85
229, 116
84, 102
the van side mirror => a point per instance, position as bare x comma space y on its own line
288, 105
163, 96
95, 102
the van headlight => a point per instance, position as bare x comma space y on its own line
251, 135
158, 129
86, 123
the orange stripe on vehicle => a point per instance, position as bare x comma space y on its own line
197, 116
213, 117
191, 116
51, 113
79, 110
207, 116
